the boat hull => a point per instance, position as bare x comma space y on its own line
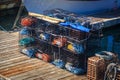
7, 4
86, 7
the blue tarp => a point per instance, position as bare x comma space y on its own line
75, 26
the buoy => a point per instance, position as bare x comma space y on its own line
28, 21
70, 47
45, 57
77, 48
60, 41
38, 55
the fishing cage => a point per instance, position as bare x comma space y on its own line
63, 46
27, 36
62, 43
96, 68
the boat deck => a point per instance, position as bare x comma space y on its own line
16, 66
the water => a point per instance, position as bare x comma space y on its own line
109, 42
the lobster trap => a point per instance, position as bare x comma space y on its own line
62, 45
96, 68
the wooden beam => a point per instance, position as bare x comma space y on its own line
46, 18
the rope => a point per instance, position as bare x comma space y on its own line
111, 72
105, 55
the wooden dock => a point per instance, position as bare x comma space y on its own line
16, 66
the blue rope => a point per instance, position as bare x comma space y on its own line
59, 63
29, 52
74, 70
79, 49
26, 41
24, 31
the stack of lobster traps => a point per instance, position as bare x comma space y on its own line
63, 44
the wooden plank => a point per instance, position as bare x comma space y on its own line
16, 64
14, 67
6, 34
42, 69
9, 50
9, 47
8, 40
7, 57
13, 61
13, 42
57, 75
42, 73
8, 54
74, 77
21, 69
46, 18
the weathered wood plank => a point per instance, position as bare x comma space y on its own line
9, 50
46, 18
10, 56
8, 43
41, 74
6, 35
42, 69
74, 77
13, 61
21, 69
8, 47
5, 68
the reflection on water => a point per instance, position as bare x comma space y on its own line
109, 42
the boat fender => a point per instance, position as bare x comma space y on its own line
60, 42
46, 57
28, 21
43, 56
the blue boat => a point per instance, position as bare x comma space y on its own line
76, 6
